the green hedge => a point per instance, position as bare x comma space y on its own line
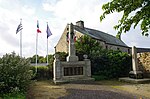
43, 72
111, 64
15, 74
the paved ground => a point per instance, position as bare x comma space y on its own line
47, 90
96, 94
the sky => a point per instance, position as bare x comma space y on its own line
58, 13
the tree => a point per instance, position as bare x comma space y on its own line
41, 59
87, 45
105, 63
50, 58
134, 12
0, 60
62, 55
33, 59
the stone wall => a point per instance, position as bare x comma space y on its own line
121, 48
62, 43
144, 62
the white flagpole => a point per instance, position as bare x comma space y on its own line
48, 34
21, 40
47, 51
36, 50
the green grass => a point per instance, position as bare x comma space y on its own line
103, 80
13, 96
99, 78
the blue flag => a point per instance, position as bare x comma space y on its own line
48, 31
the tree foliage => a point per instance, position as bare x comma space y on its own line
62, 55
87, 45
40, 59
105, 63
134, 12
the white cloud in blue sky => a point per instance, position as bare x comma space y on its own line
57, 13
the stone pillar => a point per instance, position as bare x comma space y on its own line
57, 69
134, 59
87, 66
135, 73
72, 51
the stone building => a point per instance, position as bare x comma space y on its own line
107, 41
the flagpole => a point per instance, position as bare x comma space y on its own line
47, 48
21, 40
47, 51
36, 46
48, 34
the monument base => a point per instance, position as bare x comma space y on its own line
72, 71
135, 81
72, 58
136, 74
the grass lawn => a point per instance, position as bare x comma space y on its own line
45, 89
13, 96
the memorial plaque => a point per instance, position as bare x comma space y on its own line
71, 71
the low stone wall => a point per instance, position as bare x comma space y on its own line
144, 63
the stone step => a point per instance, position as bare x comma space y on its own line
135, 81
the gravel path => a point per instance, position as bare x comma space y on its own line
46, 90
94, 91
96, 94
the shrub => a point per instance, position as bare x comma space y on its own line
15, 73
62, 55
43, 72
18, 95
111, 64
105, 63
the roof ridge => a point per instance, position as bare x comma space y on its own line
97, 34
102, 32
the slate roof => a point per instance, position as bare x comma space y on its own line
100, 36
140, 50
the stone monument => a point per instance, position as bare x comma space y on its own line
72, 69
135, 73
72, 52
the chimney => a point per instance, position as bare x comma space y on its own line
80, 24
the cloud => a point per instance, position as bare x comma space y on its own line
71, 11
28, 10
67, 11
135, 38
10, 19
6, 27
7, 37
57, 13
48, 7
